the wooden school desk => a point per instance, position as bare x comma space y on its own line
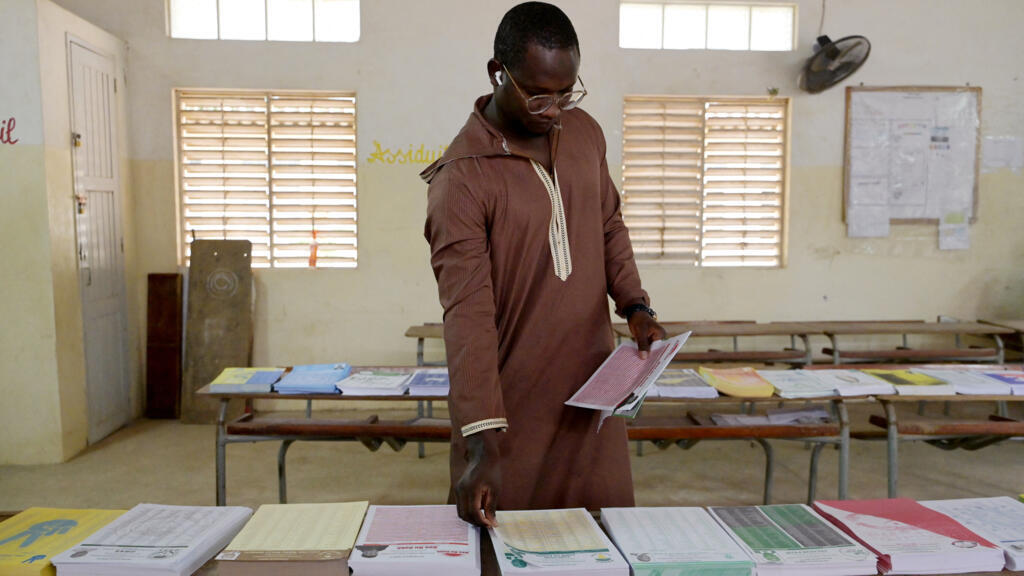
793, 355
680, 429
942, 431
956, 330
1014, 341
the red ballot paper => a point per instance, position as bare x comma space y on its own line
912, 539
624, 375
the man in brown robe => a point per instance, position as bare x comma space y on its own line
527, 243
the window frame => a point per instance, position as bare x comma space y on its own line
706, 4
169, 9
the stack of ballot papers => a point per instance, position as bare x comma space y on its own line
1012, 377
909, 383
912, 539
246, 380
853, 382
429, 382
674, 541
999, 520
681, 383
422, 540
375, 383
968, 381
739, 382
563, 542
30, 538
791, 540
797, 383
621, 382
776, 417
153, 539
313, 379
294, 539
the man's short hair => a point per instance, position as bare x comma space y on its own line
532, 23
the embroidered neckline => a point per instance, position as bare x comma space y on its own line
558, 235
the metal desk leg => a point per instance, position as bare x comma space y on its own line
419, 352
221, 444
835, 348
844, 449
420, 450
809, 359
812, 477
769, 469
1000, 350
282, 482
892, 442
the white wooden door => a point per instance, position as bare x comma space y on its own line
100, 244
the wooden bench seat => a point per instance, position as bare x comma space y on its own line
917, 426
700, 427
425, 429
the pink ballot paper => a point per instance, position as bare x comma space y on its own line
624, 377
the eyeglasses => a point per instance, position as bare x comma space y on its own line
540, 103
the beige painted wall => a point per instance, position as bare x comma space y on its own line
43, 416
29, 415
417, 69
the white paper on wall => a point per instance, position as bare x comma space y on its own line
998, 152
913, 151
867, 221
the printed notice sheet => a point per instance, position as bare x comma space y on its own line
674, 540
563, 541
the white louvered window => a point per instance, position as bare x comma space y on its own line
704, 179
275, 168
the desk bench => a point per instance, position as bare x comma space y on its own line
684, 431
945, 433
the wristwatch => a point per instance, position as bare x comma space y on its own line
631, 309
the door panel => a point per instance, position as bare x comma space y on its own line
100, 256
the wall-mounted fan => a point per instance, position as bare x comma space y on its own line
833, 61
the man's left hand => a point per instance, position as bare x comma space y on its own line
645, 330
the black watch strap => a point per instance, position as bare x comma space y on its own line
633, 308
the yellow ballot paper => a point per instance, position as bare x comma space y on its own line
560, 542
28, 540
905, 377
295, 538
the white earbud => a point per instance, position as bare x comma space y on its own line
496, 78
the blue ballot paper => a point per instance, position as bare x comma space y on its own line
313, 379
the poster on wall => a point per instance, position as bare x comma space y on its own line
911, 155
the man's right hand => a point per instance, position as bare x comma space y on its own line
476, 493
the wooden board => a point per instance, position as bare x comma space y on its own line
219, 327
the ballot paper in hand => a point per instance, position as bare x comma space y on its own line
624, 377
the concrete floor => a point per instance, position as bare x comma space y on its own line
172, 463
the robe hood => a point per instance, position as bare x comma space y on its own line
476, 139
